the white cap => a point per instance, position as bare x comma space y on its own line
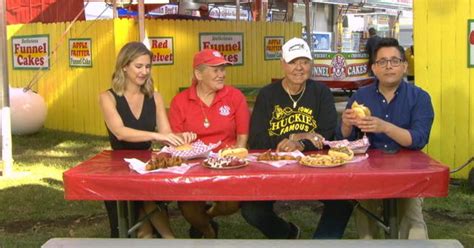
296, 48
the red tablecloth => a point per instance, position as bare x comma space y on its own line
403, 175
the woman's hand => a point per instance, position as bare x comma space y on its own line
188, 137
287, 145
169, 139
372, 124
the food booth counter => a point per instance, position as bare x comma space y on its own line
341, 70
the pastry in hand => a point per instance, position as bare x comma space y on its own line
184, 147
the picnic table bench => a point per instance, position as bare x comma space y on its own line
237, 243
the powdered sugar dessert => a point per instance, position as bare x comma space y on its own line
224, 162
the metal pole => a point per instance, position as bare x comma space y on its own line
289, 11
237, 10
114, 10
391, 218
141, 20
7, 159
122, 219
308, 24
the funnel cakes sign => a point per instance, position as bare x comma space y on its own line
30, 52
230, 45
80, 53
162, 49
339, 65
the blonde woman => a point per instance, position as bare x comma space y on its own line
135, 117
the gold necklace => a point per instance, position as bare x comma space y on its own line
206, 122
299, 98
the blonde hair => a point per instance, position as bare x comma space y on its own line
127, 54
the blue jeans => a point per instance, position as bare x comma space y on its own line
332, 224
260, 214
334, 218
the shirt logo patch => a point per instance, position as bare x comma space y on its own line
224, 110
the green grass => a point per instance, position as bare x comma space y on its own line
33, 209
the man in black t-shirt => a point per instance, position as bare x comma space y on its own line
295, 113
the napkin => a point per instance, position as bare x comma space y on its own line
278, 163
359, 158
357, 146
139, 166
200, 150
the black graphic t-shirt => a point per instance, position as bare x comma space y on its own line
289, 120
274, 118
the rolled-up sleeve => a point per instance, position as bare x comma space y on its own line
422, 117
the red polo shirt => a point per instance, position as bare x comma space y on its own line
228, 115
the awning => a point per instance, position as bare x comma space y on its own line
379, 4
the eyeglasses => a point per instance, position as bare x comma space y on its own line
395, 62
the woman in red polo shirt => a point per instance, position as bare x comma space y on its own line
215, 112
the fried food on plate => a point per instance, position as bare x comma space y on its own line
360, 109
336, 156
269, 156
234, 152
163, 160
319, 160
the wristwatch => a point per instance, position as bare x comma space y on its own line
302, 144
307, 143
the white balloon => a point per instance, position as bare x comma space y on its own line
28, 111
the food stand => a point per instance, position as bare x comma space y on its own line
340, 60
340, 65
342, 70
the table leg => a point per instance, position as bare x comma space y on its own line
131, 218
390, 213
122, 219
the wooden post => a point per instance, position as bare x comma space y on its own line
257, 10
237, 10
289, 11
7, 160
114, 9
141, 20
308, 23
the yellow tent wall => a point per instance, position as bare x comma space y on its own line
71, 93
441, 56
